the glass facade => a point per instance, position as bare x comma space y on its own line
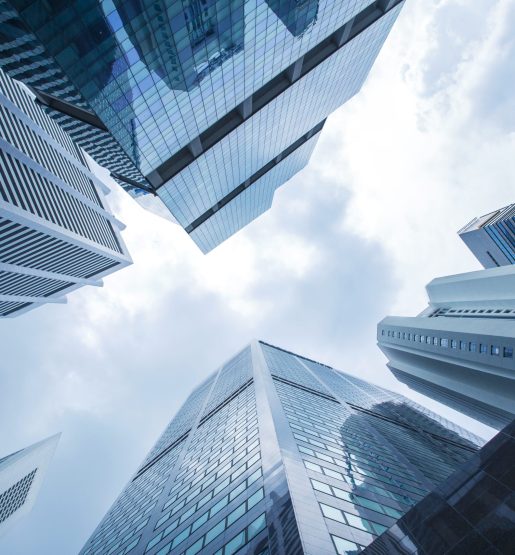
197, 96
471, 512
275, 453
491, 237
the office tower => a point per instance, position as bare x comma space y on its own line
209, 105
459, 351
275, 453
471, 512
491, 237
56, 233
21, 476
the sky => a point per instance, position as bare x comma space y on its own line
425, 146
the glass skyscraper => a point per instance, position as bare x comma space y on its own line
491, 237
210, 105
56, 231
275, 453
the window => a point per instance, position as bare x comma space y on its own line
495, 350
332, 513
255, 498
508, 352
444, 342
345, 547
472, 346
454, 344
463, 345
181, 537
422, 339
235, 515
482, 348
435, 340
319, 486
428, 339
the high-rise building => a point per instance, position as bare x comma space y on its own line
21, 476
275, 453
471, 512
491, 237
459, 351
210, 105
56, 233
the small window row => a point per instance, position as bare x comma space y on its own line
357, 482
231, 547
365, 472
445, 342
346, 547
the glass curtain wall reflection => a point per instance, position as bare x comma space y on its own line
202, 97
275, 453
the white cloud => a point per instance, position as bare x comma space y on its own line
422, 149
420, 161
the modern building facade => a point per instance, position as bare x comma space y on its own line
56, 233
491, 237
460, 350
471, 512
275, 453
21, 476
210, 105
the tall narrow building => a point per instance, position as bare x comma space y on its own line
21, 476
491, 237
459, 351
210, 106
56, 233
277, 454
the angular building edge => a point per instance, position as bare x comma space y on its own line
20, 464
460, 350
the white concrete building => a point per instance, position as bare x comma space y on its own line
460, 350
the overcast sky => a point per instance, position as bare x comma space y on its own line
427, 145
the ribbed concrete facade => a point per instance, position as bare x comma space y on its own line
56, 232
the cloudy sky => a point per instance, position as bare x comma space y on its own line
427, 145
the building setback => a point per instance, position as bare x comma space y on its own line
471, 512
21, 476
459, 351
275, 453
210, 106
56, 233
491, 237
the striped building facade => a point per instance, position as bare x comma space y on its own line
56, 233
